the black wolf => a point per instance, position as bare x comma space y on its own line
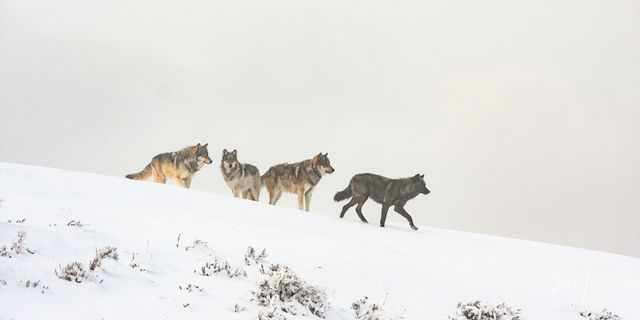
388, 192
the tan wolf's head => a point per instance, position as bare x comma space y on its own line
322, 164
201, 153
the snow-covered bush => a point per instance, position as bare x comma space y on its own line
77, 272
281, 287
191, 287
602, 315
134, 265
74, 271
251, 256
478, 310
196, 243
103, 253
273, 314
214, 267
17, 247
36, 285
365, 310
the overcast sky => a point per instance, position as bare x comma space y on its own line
524, 115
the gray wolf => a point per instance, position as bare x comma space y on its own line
388, 192
178, 165
300, 178
242, 178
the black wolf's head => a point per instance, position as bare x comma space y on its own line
419, 184
201, 153
322, 163
229, 159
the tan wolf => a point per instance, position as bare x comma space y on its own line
300, 178
242, 178
178, 165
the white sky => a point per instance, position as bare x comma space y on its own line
524, 116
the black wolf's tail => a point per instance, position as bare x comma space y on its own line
144, 174
344, 194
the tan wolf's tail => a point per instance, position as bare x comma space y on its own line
265, 176
144, 174
344, 194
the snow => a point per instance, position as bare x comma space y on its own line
420, 274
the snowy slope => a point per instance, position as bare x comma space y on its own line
414, 274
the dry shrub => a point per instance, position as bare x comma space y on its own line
478, 310
77, 272
18, 246
281, 287
602, 315
211, 268
365, 310
251, 256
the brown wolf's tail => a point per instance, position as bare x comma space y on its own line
344, 194
144, 174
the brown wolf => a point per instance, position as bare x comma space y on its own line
388, 192
242, 178
300, 178
179, 165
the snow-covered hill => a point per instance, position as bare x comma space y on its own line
165, 235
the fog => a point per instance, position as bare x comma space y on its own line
524, 116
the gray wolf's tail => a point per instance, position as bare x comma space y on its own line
144, 174
344, 194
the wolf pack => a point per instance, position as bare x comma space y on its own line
299, 178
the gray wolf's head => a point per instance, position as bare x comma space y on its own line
419, 184
322, 164
201, 154
229, 159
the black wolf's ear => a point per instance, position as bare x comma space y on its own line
206, 144
422, 176
326, 154
235, 152
224, 152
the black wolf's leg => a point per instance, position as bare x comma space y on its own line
359, 210
404, 213
383, 218
347, 206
